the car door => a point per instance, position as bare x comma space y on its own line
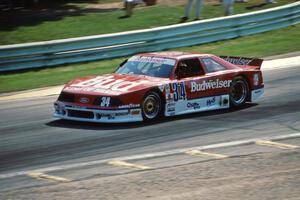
206, 83
214, 86
187, 71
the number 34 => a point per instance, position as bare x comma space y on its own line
105, 101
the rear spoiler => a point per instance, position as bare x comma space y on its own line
255, 62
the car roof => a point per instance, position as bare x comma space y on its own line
175, 54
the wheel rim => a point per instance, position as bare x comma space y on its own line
239, 92
151, 106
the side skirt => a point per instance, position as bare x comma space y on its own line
197, 105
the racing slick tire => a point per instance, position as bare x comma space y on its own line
152, 106
239, 91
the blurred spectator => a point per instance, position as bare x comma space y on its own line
245, 1
150, 2
129, 5
228, 5
19, 3
241, 1
188, 8
270, 1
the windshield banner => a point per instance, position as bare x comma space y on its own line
153, 60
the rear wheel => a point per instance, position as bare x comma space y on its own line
152, 107
239, 91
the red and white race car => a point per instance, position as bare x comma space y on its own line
150, 85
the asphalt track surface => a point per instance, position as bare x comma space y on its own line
31, 139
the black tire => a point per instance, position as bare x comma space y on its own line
239, 91
152, 106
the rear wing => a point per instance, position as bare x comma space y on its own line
254, 62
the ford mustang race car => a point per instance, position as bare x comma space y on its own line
148, 86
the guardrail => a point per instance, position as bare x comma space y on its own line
82, 49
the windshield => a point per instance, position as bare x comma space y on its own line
149, 66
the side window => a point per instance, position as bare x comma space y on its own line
189, 68
212, 66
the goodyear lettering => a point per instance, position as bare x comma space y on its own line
129, 106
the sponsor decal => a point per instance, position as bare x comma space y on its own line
77, 107
178, 91
84, 100
109, 116
258, 91
129, 106
193, 105
168, 93
211, 101
171, 107
172, 104
161, 88
238, 61
121, 114
211, 84
101, 83
153, 60
135, 112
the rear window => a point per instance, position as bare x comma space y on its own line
212, 66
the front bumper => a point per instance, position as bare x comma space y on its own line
77, 113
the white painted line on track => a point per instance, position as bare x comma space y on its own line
202, 153
119, 163
150, 155
275, 144
43, 176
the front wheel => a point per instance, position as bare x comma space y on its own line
239, 91
151, 107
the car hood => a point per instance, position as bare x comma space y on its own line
112, 84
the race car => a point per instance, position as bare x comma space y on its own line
151, 85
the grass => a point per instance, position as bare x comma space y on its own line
19, 28
260, 45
